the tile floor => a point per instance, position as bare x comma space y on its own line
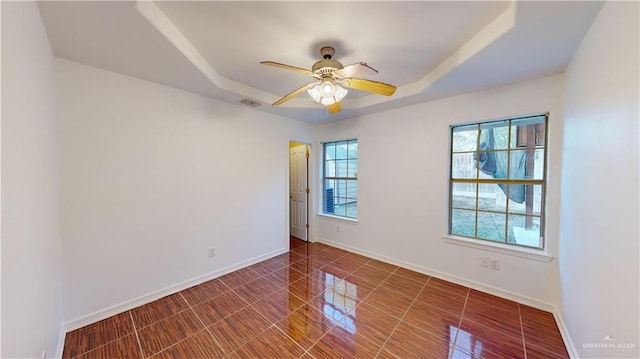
322, 302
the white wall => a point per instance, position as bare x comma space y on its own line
599, 214
152, 176
403, 187
31, 268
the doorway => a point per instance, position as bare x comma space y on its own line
299, 190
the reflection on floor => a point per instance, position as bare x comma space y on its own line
322, 302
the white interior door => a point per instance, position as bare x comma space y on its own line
298, 191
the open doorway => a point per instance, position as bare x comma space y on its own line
299, 190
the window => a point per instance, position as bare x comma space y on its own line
340, 178
498, 180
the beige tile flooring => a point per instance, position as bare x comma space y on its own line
320, 302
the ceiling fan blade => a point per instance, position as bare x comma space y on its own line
293, 94
288, 67
334, 108
379, 88
359, 69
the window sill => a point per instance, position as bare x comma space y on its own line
533, 254
344, 219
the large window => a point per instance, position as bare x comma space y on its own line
340, 178
498, 180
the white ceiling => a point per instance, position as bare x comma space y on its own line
429, 49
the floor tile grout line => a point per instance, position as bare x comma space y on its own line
334, 325
284, 288
198, 317
201, 322
164, 318
263, 316
377, 286
229, 287
455, 338
322, 336
135, 330
203, 301
524, 343
245, 342
103, 344
309, 275
304, 351
99, 346
274, 324
403, 316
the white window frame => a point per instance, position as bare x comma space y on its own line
324, 178
536, 253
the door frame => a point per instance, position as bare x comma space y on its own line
310, 182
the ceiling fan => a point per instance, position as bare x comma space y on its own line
332, 78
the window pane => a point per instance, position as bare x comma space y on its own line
524, 230
493, 164
491, 226
464, 195
352, 170
523, 162
352, 209
464, 165
329, 184
465, 138
341, 188
340, 196
491, 198
341, 150
463, 222
538, 164
340, 210
352, 189
528, 132
330, 169
341, 168
494, 136
352, 147
330, 151
532, 198
329, 200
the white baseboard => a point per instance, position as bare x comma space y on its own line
150, 297
568, 343
61, 338
523, 299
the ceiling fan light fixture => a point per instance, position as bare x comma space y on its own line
315, 93
327, 89
327, 93
333, 80
340, 93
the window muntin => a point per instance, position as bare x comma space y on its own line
498, 180
340, 178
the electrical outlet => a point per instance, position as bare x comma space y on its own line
212, 251
494, 264
337, 228
484, 262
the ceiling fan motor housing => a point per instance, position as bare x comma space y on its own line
326, 66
